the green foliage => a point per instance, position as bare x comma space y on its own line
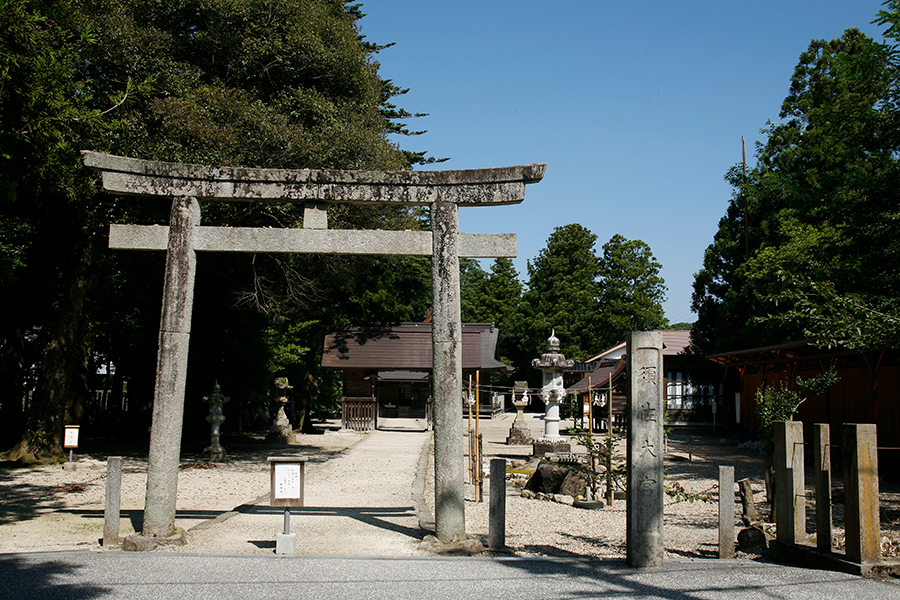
774, 404
562, 294
631, 290
288, 84
601, 451
820, 208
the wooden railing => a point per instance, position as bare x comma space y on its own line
359, 414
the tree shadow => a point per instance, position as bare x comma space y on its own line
46, 579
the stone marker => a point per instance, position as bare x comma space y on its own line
552, 364
726, 511
644, 499
443, 191
790, 490
861, 516
112, 501
497, 507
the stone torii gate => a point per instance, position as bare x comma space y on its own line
187, 185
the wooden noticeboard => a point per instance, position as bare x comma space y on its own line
287, 480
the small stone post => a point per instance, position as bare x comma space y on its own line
644, 500
726, 512
497, 507
790, 490
113, 501
822, 466
861, 517
214, 418
171, 369
446, 341
518, 433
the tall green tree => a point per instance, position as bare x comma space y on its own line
288, 84
562, 294
819, 207
631, 290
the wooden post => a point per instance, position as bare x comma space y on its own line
479, 496
790, 497
610, 492
822, 467
861, 517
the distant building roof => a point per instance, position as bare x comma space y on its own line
406, 347
599, 377
674, 342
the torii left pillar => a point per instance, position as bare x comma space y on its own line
171, 368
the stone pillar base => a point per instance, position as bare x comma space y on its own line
69, 466
544, 446
519, 435
286, 543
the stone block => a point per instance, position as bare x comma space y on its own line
543, 447
751, 537
519, 436
286, 543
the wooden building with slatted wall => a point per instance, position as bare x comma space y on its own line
868, 390
393, 364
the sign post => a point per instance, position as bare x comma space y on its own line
70, 441
286, 490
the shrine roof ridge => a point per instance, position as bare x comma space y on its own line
133, 176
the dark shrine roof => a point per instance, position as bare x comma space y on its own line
406, 346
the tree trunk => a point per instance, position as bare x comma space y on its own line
61, 391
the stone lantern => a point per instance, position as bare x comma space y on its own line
552, 364
281, 432
215, 418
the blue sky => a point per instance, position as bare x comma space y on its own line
638, 108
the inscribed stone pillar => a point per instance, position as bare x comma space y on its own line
644, 506
861, 517
790, 485
446, 339
171, 369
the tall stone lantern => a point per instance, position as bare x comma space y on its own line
552, 364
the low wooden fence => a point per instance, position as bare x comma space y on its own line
359, 414
862, 524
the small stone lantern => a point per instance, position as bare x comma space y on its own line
281, 432
552, 364
518, 433
215, 418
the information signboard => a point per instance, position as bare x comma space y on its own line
287, 479
70, 437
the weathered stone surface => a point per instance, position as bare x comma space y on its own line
519, 436
146, 543
751, 537
573, 484
312, 241
542, 447
822, 468
644, 510
446, 337
503, 185
726, 511
112, 501
547, 478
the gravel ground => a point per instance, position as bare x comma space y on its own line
363, 495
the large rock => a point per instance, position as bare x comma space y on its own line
573, 485
751, 537
547, 478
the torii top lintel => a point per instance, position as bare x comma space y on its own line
470, 187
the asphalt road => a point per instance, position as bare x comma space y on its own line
89, 575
